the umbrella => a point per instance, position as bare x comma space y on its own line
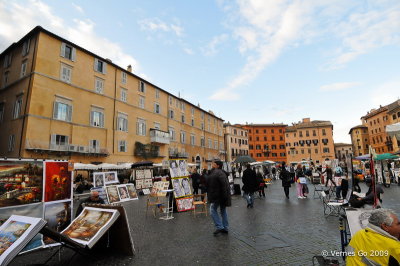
244, 159
385, 156
363, 157
141, 164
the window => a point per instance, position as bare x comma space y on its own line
124, 94
5, 78
62, 109
141, 127
97, 117
192, 111
210, 143
66, 73
192, 122
141, 102
323, 132
183, 137
265, 138
157, 94
17, 107
326, 150
202, 115
221, 145
170, 100
202, 126
142, 87
192, 140
182, 106
100, 66
94, 145
157, 107
157, 125
307, 133
1, 112
68, 52
59, 142
301, 134
183, 118
258, 147
172, 134
7, 61
171, 114
316, 150
216, 144
202, 142
23, 68
99, 85
122, 146
11, 143
122, 122
123, 77
25, 47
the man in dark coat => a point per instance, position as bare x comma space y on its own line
286, 179
219, 196
195, 181
93, 199
250, 185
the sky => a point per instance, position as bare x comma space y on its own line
248, 61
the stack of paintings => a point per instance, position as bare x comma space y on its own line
181, 185
101, 179
120, 193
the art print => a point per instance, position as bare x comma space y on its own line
148, 174
123, 193
58, 217
111, 178
186, 186
58, 181
139, 184
147, 183
11, 233
183, 168
178, 190
139, 174
184, 204
174, 169
98, 179
112, 194
132, 191
21, 182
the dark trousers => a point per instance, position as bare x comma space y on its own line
261, 190
327, 180
195, 190
286, 189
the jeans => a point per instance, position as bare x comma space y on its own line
215, 216
249, 198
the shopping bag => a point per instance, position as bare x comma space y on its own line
303, 180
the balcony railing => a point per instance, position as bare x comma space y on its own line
159, 136
37, 145
174, 153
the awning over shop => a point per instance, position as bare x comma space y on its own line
82, 166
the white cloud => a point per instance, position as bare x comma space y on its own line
211, 48
78, 8
339, 86
156, 24
188, 51
385, 93
265, 29
16, 20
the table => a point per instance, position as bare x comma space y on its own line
170, 206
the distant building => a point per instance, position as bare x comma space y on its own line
359, 140
394, 118
310, 140
267, 141
236, 141
342, 150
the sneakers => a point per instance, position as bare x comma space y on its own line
301, 197
224, 231
220, 231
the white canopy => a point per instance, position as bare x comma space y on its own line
82, 166
108, 166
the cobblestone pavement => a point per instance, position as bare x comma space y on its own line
277, 231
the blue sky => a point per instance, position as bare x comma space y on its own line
255, 61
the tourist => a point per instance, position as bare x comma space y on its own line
286, 180
369, 196
329, 175
195, 181
261, 183
250, 185
219, 197
93, 199
299, 174
378, 243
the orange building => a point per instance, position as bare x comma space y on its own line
267, 141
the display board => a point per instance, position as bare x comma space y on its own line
120, 193
143, 178
181, 185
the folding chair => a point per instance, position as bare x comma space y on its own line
200, 200
316, 181
334, 207
153, 201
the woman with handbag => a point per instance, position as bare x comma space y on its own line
299, 176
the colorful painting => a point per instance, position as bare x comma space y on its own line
123, 193
132, 191
110, 178
184, 204
159, 188
58, 217
147, 183
58, 181
98, 179
21, 182
112, 194
10, 233
88, 224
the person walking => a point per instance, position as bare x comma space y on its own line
273, 172
250, 185
329, 175
219, 197
299, 174
286, 180
195, 181
261, 184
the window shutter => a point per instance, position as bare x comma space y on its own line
69, 113
104, 68
27, 46
53, 139
137, 127
55, 112
62, 50
126, 124
91, 118
101, 120
96, 62
73, 54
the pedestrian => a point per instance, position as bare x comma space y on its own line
273, 171
219, 197
261, 184
299, 174
93, 199
329, 175
195, 181
250, 185
286, 180
240, 170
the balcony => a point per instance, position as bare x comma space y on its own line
174, 153
66, 149
158, 136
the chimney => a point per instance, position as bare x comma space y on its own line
129, 68
306, 120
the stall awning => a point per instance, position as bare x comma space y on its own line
82, 166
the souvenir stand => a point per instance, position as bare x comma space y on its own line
228, 169
181, 185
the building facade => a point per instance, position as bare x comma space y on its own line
310, 141
236, 142
266, 141
342, 150
61, 101
394, 118
376, 120
360, 140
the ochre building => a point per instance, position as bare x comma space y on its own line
61, 101
359, 140
236, 142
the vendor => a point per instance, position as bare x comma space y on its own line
93, 199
